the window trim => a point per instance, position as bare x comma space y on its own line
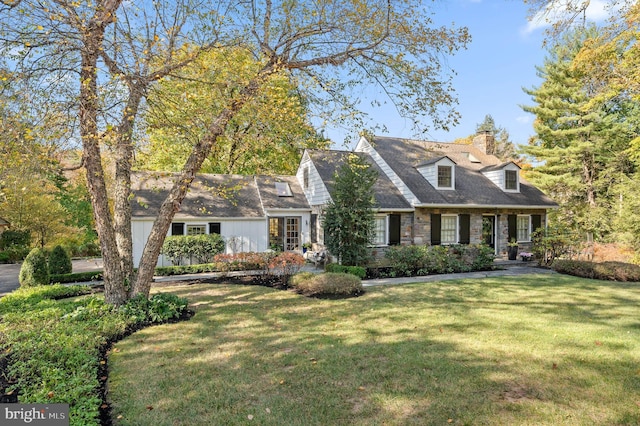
384, 241
451, 176
528, 236
456, 230
194, 226
517, 180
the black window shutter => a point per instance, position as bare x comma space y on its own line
394, 229
465, 228
214, 228
536, 222
436, 240
177, 229
314, 227
512, 227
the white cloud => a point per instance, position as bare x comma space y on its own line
597, 11
524, 119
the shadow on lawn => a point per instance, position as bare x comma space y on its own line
305, 361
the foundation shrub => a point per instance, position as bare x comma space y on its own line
358, 271
610, 271
326, 284
423, 260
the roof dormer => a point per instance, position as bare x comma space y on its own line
505, 176
440, 172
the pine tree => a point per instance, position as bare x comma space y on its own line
578, 149
349, 218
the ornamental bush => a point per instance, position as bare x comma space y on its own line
202, 248
424, 260
327, 284
610, 271
59, 261
358, 271
34, 270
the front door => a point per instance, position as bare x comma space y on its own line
284, 233
489, 231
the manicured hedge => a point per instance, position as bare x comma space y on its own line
414, 260
610, 271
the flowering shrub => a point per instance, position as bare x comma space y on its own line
284, 265
525, 255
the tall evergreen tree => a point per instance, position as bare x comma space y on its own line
578, 151
348, 219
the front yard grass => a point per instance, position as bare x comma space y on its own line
531, 350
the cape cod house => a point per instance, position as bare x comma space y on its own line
426, 193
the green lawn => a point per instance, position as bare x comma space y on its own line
532, 350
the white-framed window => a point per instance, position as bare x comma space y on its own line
511, 180
380, 231
523, 226
445, 176
305, 177
196, 229
449, 229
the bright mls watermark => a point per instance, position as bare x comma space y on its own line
34, 414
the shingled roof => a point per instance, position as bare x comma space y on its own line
272, 199
472, 188
209, 196
387, 196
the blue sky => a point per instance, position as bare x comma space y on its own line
500, 60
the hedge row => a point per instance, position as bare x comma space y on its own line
609, 271
407, 261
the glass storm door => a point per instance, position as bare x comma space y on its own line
489, 230
284, 233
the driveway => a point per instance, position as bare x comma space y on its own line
9, 272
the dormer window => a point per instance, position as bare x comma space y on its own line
445, 176
505, 176
439, 172
511, 180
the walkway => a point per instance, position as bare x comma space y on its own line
9, 274
509, 268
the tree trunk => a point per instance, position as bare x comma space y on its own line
171, 204
92, 44
122, 190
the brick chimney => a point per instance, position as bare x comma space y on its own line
485, 142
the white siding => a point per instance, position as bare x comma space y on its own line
430, 172
498, 176
365, 146
317, 192
241, 235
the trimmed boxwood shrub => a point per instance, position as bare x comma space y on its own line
610, 271
201, 247
34, 270
59, 261
326, 284
424, 260
358, 271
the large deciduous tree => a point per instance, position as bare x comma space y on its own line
105, 56
267, 135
